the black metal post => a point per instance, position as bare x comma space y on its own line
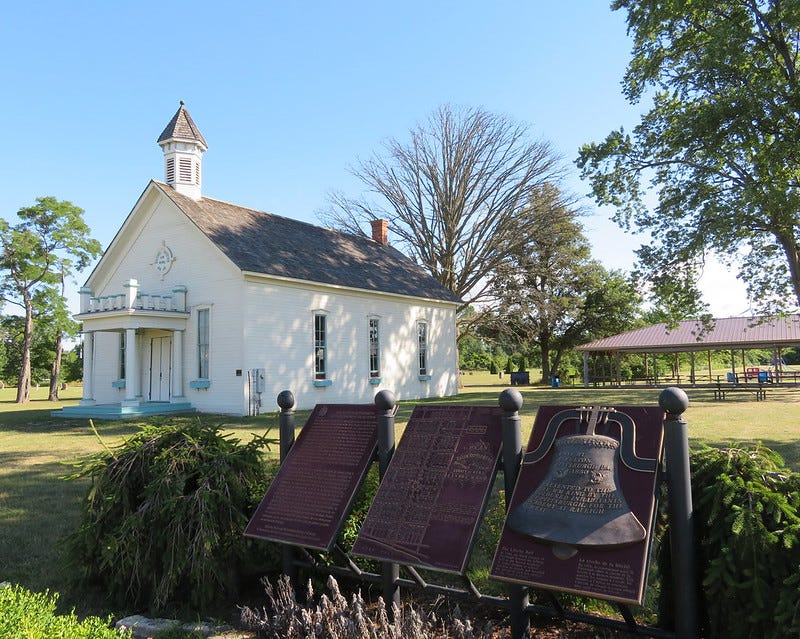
385, 401
286, 434
681, 519
511, 401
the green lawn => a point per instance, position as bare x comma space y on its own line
37, 507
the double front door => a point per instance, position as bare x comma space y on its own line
160, 369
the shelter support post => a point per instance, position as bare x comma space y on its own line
692, 374
585, 369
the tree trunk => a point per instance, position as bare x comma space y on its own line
792, 252
24, 381
544, 345
55, 369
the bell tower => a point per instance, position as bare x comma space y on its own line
183, 147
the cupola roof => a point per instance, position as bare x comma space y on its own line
182, 127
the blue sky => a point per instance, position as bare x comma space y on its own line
289, 95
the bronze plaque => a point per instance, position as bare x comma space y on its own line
428, 508
312, 492
582, 511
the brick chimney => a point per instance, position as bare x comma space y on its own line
380, 231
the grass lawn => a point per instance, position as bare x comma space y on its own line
37, 508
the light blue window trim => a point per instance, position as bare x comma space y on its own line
203, 343
375, 381
122, 344
200, 383
319, 383
320, 348
424, 378
422, 348
120, 383
374, 348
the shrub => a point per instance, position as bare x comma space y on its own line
27, 614
747, 528
165, 514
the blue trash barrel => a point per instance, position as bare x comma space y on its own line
555, 382
763, 377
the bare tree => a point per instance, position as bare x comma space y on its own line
456, 195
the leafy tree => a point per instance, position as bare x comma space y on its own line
473, 354
52, 318
72, 365
12, 328
455, 196
48, 243
555, 295
719, 142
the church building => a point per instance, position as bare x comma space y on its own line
199, 304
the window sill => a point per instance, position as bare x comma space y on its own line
200, 383
120, 383
321, 383
424, 378
375, 380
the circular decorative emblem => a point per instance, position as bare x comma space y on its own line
164, 259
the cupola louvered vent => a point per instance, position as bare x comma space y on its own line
185, 169
170, 170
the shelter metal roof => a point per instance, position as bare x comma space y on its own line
691, 335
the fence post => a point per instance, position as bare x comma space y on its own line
681, 518
286, 435
511, 401
385, 401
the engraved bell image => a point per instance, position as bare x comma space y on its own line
579, 502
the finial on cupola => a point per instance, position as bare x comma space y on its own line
183, 147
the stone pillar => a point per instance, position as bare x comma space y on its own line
88, 370
131, 368
177, 366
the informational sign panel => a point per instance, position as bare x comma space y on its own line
581, 514
428, 507
312, 492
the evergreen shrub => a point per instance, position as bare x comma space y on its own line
163, 520
747, 527
31, 614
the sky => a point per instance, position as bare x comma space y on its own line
290, 95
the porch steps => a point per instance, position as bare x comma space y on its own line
117, 411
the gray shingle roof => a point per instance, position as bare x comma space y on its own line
272, 245
731, 332
182, 126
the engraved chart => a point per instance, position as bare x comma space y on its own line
428, 507
312, 492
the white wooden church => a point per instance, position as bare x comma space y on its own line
199, 304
